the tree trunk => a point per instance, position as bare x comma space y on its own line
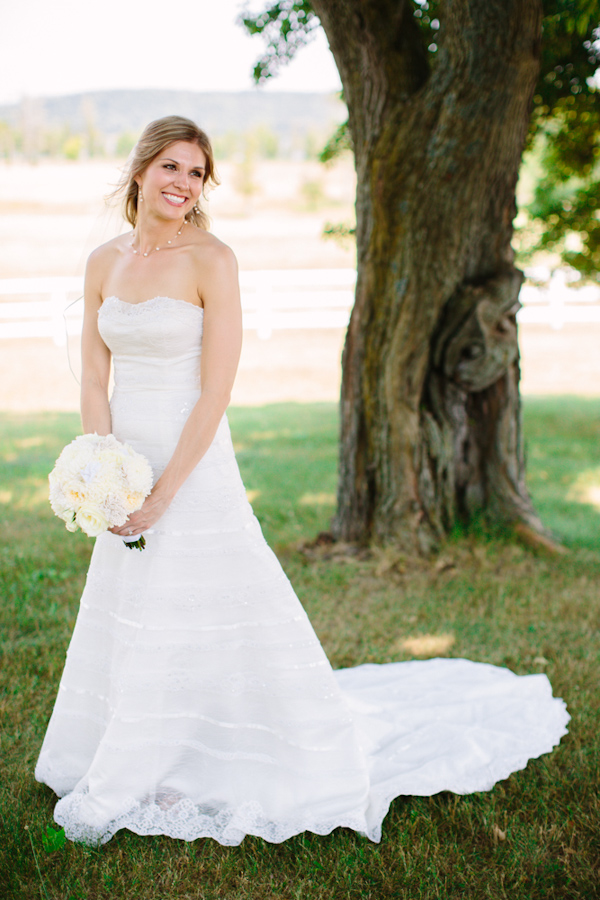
430, 410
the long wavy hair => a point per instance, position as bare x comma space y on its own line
155, 137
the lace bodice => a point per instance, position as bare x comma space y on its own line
155, 345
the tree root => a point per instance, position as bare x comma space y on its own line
537, 541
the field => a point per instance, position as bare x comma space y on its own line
534, 837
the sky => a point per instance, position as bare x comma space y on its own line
68, 46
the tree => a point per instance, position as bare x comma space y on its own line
439, 97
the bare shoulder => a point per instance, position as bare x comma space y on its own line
212, 255
215, 272
103, 257
100, 263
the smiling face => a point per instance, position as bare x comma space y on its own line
172, 182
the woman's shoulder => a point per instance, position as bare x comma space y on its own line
106, 253
210, 251
100, 263
207, 242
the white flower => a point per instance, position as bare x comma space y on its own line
134, 500
91, 470
115, 509
138, 474
75, 493
97, 482
74, 457
91, 521
110, 456
58, 500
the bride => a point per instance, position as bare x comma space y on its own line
196, 700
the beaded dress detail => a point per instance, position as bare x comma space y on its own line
196, 700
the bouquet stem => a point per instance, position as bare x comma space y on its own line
138, 545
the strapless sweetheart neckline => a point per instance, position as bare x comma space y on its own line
152, 300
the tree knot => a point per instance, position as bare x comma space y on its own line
477, 339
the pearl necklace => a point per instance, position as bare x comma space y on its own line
133, 250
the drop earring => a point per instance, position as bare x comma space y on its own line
140, 196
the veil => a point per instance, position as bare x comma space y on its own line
108, 224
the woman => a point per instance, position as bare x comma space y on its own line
196, 699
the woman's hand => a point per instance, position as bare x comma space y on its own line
153, 507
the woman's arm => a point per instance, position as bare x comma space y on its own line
221, 345
95, 355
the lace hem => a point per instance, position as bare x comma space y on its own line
169, 815
186, 821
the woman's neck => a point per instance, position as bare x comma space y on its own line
150, 234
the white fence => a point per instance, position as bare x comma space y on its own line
273, 299
39, 318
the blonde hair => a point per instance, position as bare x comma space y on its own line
155, 137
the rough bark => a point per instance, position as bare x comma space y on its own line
430, 410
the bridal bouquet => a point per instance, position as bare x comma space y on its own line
97, 482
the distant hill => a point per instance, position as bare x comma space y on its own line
116, 112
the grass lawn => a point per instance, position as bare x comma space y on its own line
536, 836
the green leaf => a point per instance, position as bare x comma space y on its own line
286, 27
53, 840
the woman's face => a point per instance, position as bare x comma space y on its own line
172, 182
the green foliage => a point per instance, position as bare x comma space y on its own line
119, 116
94, 143
245, 174
341, 232
491, 600
339, 142
265, 142
289, 25
570, 56
226, 145
312, 193
567, 208
53, 840
7, 140
72, 147
125, 143
286, 26
260, 142
565, 127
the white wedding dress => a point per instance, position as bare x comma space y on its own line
196, 700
